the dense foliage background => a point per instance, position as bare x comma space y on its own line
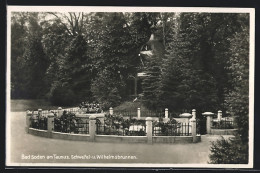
198, 60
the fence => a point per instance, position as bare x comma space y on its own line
77, 125
66, 121
172, 129
126, 113
219, 125
223, 124
72, 110
38, 121
121, 127
143, 113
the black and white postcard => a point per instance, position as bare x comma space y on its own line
130, 87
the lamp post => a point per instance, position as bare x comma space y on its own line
135, 85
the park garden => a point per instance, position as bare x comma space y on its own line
130, 62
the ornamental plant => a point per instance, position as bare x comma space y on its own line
228, 151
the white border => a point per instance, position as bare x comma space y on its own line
134, 9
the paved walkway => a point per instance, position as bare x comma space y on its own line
61, 151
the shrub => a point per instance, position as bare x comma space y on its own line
229, 151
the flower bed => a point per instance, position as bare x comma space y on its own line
171, 128
117, 125
69, 123
38, 121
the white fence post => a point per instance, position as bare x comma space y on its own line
138, 113
193, 113
219, 115
50, 124
193, 130
166, 113
111, 111
209, 116
92, 127
28, 120
149, 130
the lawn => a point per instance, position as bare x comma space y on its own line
130, 106
19, 105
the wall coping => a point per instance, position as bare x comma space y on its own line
110, 137
40, 130
116, 136
72, 134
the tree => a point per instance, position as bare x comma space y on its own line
106, 88
116, 40
151, 84
78, 65
237, 99
36, 61
18, 35
186, 84
66, 42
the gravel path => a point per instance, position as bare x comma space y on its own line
45, 150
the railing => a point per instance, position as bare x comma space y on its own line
143, 113
113, 125
129, 114
38, 121
77, 125
223, 124
91, 110
171, 129
66, 121
152, 113
72, 110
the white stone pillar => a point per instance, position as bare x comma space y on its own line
92, 127
193, 130
149, 130
28, 120
166, 113
138, 113
111, 111
194, 114
50, 124
209, 116
219, 115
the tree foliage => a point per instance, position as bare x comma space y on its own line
18, 37
238, 98
36, 61
151, 84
